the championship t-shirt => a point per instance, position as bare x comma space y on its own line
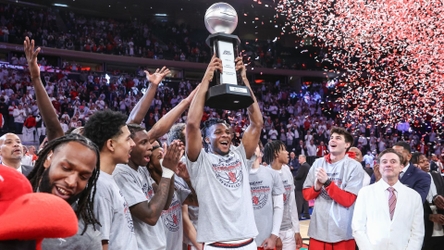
137, 187
112, 211
265, 183
330, 221
223, 190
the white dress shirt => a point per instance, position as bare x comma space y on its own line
371, 224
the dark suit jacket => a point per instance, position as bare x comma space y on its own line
415, 179
418, 180
439, 183
26, 169
301, 175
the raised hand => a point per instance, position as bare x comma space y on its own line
241, 67
31, 57
215, 64
157, 76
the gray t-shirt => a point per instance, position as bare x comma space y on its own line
223, 190
287, 180
90, 240
172, 219
265, 183
193, 211
111, 210
330, 221
137, 187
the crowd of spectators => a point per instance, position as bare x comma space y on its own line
66, 29
300, 120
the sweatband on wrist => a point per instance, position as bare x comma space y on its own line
166, 172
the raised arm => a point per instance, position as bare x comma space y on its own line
252, 134
164, 124
49, 115
139, 111
193, 135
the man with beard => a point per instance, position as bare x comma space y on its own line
68, 167
220, 175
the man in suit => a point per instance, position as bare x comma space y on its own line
299, 180
435, 164
433, 207
397, 222
409, 175
11, 151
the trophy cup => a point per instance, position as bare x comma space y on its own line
225, 91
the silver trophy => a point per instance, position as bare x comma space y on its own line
225, 91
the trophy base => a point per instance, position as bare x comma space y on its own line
229, 97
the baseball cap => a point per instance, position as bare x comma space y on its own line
25, 215
13, 184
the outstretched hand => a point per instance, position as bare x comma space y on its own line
31, 57
157, 76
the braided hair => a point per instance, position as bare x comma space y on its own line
85, 202
271, 150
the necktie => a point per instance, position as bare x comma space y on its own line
392, 201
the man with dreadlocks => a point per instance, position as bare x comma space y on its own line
220, 176
68, 167
276, 154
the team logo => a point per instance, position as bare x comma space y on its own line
148, 191
229, 173
287, 193
127, 213
259, 196
173, 216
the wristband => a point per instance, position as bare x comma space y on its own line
166, 173
34, 77
327, 183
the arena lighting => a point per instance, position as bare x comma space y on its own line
160, 14
60, 5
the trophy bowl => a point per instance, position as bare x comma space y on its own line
221, 18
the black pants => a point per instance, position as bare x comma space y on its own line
302, 205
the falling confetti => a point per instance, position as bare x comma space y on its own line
391, 53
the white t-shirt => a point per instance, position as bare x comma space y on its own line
330, 221
111, 210
223, 190
265, 183
137, 187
